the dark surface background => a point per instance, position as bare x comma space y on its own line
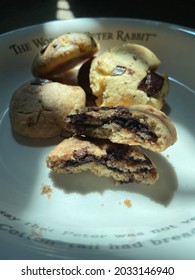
16, 14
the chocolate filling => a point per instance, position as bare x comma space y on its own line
91, 118
114, 153
106, 161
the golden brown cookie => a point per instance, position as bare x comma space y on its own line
137, 125
37, 109
63, 53
126, 75
123, 163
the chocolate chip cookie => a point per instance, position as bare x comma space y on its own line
127, 75
123, 163
141, 125
63, 53
37, 109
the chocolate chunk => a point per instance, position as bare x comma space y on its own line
118, 70
151, 84
55, 45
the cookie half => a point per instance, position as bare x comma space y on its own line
123, 163
37, 109
136, 125
63, 53
126, 75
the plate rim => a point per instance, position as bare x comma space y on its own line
164, 24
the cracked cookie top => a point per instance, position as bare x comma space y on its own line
37, 108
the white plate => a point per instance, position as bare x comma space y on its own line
86, 217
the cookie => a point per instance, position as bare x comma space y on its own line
123, 163
37, 109
126, 75
141, 125
63, 53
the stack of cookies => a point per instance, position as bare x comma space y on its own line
107, 115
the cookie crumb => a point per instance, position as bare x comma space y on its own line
46, 189
128, 203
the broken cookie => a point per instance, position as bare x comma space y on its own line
123, 163
136, 125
